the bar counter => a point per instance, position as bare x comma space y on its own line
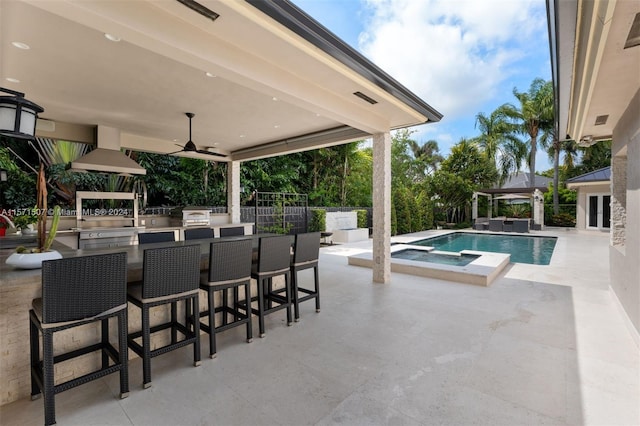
19, 287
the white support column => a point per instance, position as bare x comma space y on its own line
538, 208
382, 207
233, 191
474, 208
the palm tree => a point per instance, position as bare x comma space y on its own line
427, 156
534, 114
499, 143
554, 147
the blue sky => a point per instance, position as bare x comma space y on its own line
461, 56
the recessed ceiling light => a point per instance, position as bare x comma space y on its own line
12, 80
274, 99
112, 37
20, 45
208, 74
277, 126
243, 136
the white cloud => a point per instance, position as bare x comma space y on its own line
454, 53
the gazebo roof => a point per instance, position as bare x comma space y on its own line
518, 183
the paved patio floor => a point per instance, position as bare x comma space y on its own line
542, 345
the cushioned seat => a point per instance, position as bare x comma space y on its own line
229, 268
169, 275
75, 292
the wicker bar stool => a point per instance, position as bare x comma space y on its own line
229, 268
232, 231
274, 257
78, 291
305, 256
169, 275
198, 234
156, 237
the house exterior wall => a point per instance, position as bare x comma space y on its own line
624, 253
582, 206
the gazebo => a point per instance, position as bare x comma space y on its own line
517, 187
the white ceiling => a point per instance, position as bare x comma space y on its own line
270, 85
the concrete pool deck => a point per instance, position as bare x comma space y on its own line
541, 345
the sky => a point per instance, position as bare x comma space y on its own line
462, 57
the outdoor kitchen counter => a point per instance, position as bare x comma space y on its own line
19, 287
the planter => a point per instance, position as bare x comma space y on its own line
31, 260
29, 230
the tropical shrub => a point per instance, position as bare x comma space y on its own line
318, 220
362, 218
563, 219
400, 201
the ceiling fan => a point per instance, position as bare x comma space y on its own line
191, 147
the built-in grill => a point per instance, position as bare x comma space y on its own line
196, 216
107, 237
107, 227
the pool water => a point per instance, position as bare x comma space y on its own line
523, 249
425, 256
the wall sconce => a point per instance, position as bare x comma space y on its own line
18, 115
3, 175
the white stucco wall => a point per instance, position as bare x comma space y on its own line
625, 258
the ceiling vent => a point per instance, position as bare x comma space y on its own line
633, 39
202, 10
366, 98
601, 119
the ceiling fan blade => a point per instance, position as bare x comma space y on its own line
217, 154
171, 153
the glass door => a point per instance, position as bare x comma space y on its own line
598, 211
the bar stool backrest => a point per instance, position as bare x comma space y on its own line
230, 260
274, 253
156, 237
83, 287
307, 247
232, 232
198, 233
170, 270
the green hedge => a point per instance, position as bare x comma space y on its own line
362, 218
318, 220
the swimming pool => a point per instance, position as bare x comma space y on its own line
443, 259
523, 249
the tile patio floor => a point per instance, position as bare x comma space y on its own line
542, 345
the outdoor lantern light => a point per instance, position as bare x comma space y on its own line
3, 175
18, 115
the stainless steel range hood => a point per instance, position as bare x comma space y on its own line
107, 157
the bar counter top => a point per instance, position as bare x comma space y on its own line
10, 276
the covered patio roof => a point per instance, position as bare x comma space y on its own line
262, 77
